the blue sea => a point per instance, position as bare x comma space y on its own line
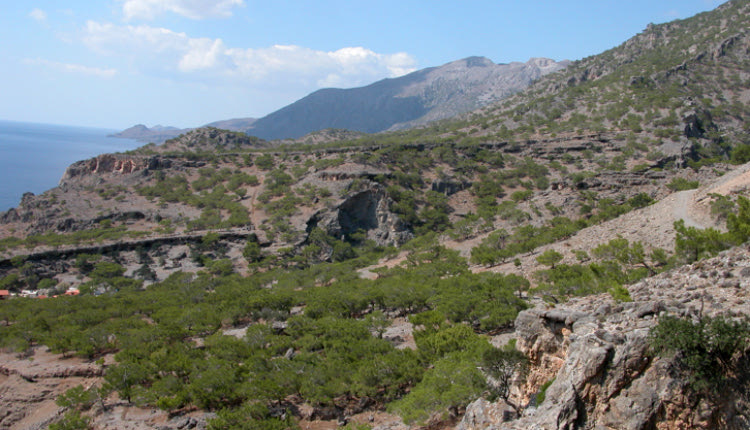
33, 157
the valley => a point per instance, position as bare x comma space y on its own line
542, 261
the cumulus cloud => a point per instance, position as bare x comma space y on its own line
38, 15
193, 9
163, 50
72, 68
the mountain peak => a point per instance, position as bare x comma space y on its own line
478, 62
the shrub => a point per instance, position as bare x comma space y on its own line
640, 200
72, 420
452, 383
693, 244
252, 251
620, 294
721, 206
740, 154
708, 351
542, 394
682, 184
519, 196
265, 162
504, 365
739, 224
549, 257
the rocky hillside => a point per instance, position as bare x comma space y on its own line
379, 278
684, 77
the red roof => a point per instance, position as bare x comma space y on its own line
4, 293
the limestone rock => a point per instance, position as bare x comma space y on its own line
596, 352
367, 210
481, 414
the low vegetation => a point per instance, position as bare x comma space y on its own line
153, 332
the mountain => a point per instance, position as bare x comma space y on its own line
235, 124
415, 99
573, 256
159, 134
390, 104
156, 134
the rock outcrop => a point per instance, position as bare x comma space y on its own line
596, 352
482, 414
367, 210
113, 163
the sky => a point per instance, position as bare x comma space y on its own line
185, 63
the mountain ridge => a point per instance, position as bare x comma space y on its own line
395, 103
412, 100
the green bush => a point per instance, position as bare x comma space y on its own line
549, 257
265, 162
640, 200
542, 394
250, 416
519, 196
708, 351
740, 154
682, 184
620, 294
693, 244
451, 384
72, 420
78, 398
505, 365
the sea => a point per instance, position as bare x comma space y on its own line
33, 157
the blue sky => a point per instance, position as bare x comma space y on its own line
115, 63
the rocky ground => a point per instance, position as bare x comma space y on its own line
30, 384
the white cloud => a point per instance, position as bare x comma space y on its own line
193, 9
38, 15
72, 68
159, 50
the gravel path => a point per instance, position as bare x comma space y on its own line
683, 208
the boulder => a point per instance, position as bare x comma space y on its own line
481, 415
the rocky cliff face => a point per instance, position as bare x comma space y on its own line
595, 352
113, 163
367, 210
